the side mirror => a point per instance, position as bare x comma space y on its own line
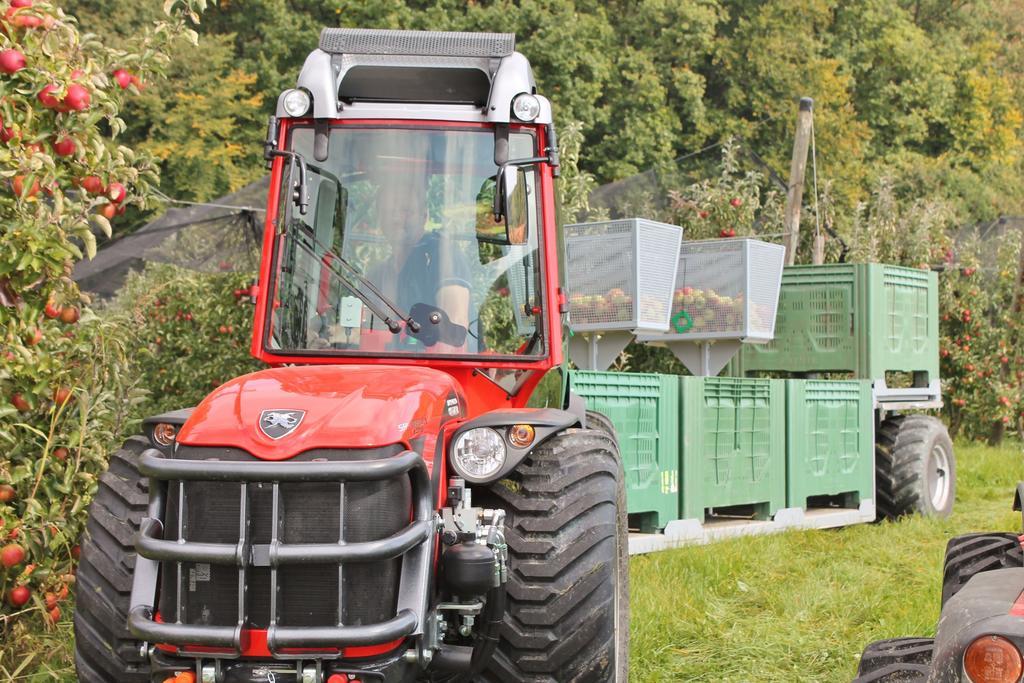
506, 220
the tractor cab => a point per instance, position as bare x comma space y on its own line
410, 220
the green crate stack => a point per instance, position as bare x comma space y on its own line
829, 442
733, 445
867, 319
644, 409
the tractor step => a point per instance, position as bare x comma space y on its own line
694, 532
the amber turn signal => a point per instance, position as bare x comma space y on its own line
521, 436
993, 659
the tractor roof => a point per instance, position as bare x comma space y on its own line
369, 73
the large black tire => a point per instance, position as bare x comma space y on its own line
105, 652
568, 591
601, 423
915, 469
972, 554
896, 660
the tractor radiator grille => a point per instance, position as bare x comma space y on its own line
318, 512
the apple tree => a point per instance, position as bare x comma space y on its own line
65, 388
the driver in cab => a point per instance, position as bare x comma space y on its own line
425, 266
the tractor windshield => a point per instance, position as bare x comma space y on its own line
393, 223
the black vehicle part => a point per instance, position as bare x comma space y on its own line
896, 660
984, 606
545, 421
601, 423
972, 554
290, 547
105, 652
915, 469
567, 591
468, 569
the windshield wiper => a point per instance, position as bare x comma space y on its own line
361, 279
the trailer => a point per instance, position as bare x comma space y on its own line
804, 408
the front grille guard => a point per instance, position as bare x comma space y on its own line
414, 543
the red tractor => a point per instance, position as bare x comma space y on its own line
410, 492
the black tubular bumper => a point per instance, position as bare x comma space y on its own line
414, 543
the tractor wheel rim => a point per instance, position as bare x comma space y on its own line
939, 477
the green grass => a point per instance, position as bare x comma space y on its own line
801, 605
797, 606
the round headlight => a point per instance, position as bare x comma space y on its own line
478, 453
525, 107
297, 102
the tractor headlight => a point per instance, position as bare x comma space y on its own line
525, 107
478, 453
297, 102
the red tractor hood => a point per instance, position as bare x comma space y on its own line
351, 406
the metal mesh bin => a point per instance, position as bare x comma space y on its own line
726, 289
620, 273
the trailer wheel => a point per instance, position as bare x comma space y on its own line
915, 469
972, 554
105, 652
568, 593
895, 660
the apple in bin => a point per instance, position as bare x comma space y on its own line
709, 310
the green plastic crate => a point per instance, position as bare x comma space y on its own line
864, 318
830, 441
644, 409
733, 445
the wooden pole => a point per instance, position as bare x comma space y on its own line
797, 168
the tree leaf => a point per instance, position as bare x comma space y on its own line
104, 225
90, 244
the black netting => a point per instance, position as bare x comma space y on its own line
224, 235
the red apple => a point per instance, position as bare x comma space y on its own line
703, 214
108, 211
60, 453
92, 184
11, 61
19, 402
64, 146
61, 395
7, 494
24, 20
54, 614
69, 315
18, 596
735, 202
51, 600
52, 310
116, 192
12, 555
123, 78
18, 185
34, 337
21, 3
8, 134
78, 98
46, 97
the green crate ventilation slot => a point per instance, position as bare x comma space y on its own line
737, 425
